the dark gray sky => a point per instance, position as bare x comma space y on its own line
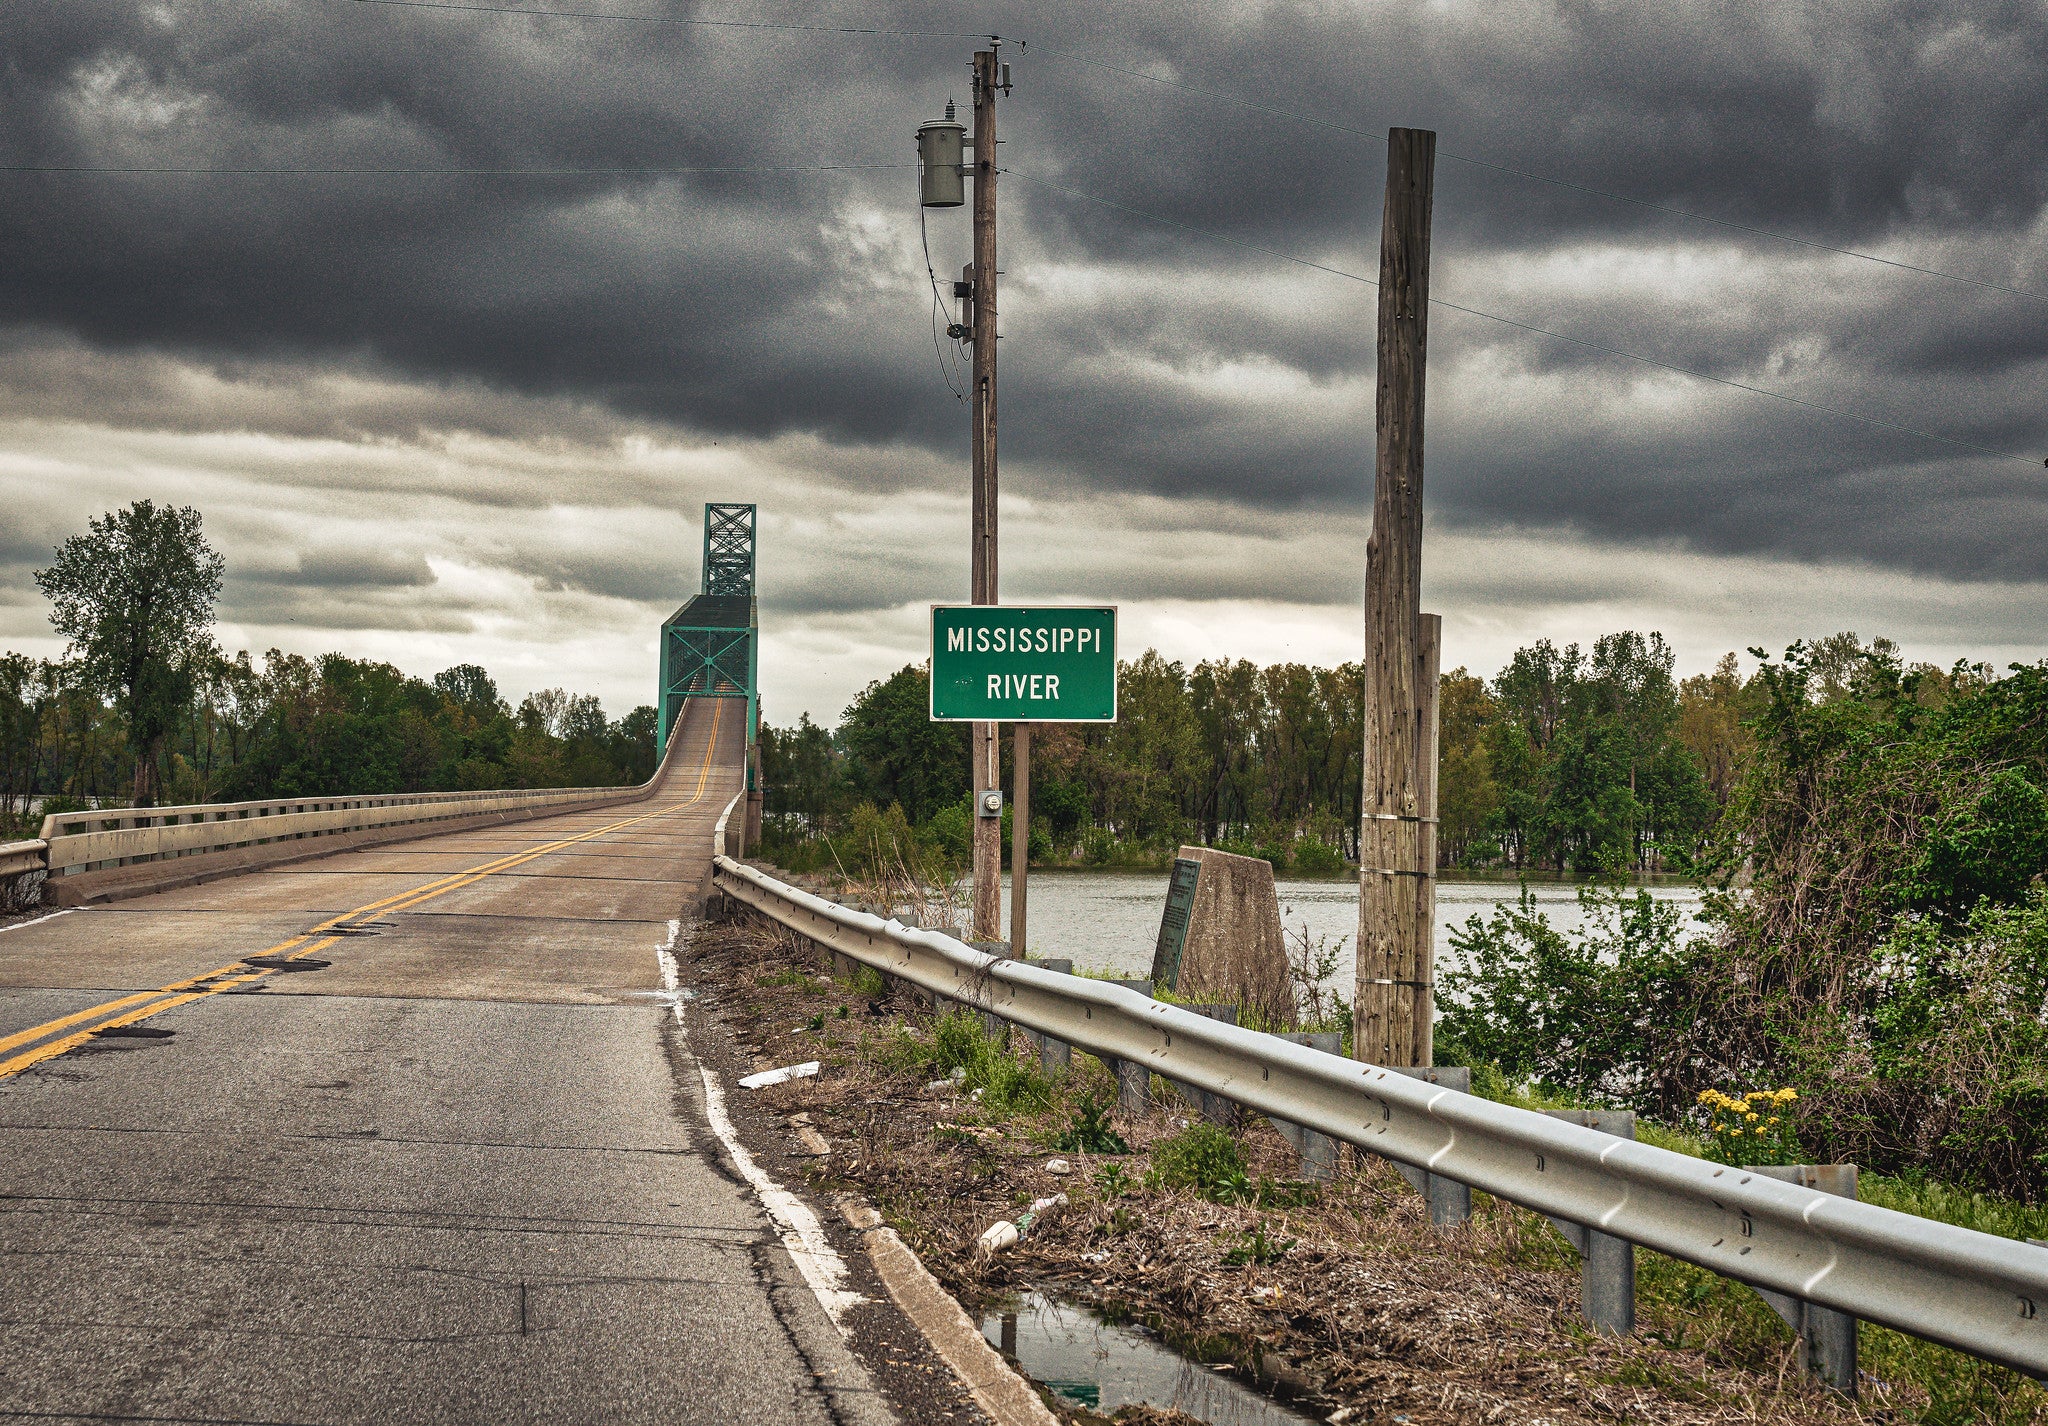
434, 417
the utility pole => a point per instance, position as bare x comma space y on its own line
941, 175
1395, 1000
987, 752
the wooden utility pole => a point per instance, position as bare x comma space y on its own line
1395, 1000
987, 753
1020, 830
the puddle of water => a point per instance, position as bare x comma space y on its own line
1087, 1361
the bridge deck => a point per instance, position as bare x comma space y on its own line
452, 1174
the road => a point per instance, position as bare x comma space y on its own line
446, 1159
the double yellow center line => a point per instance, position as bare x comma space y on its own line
32, 1046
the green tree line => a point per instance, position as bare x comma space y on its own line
1564, 760
144, 708
291, 726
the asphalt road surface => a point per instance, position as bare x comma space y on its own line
453, 1164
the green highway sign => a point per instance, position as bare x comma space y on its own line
1006, 663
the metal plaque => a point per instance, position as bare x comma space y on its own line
1173, 926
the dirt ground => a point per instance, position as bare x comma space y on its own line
1342, 1292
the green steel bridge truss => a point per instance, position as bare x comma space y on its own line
710, 648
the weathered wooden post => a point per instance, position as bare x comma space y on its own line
1395, 1002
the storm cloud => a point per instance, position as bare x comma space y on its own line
415, 364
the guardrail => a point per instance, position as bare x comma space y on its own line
19, 857
1977, 1292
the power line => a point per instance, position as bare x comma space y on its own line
196, 170
1602, 347
924, 241
674, 20
1316, 121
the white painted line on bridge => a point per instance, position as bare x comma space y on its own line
23, 925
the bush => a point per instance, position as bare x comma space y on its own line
1315, 857
1590, 1015
1885, 955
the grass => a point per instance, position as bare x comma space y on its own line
958, 1041
1201, 1159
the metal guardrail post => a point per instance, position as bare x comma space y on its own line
1450, 1202
1133, 1078
1318, 1151
1054, 1056
1607, 1271
1213, 1107
1827, 1338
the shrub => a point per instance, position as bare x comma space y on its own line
1315, 857
1591, 1015
959, 1042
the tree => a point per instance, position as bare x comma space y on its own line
135, 597
800, 770
1591, 813
1467, 797
1712, 712
896, 753
1538, 689
1630, 681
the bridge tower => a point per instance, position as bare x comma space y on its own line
710, 648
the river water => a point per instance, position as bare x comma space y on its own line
1109, 920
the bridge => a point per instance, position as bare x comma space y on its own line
390, 1108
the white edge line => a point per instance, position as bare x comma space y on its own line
801, 1232
24, 925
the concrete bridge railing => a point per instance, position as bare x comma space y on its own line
109, 853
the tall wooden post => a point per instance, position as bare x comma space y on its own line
1397, 842
1020, 831
987, 753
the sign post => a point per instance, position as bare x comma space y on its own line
1012, 664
